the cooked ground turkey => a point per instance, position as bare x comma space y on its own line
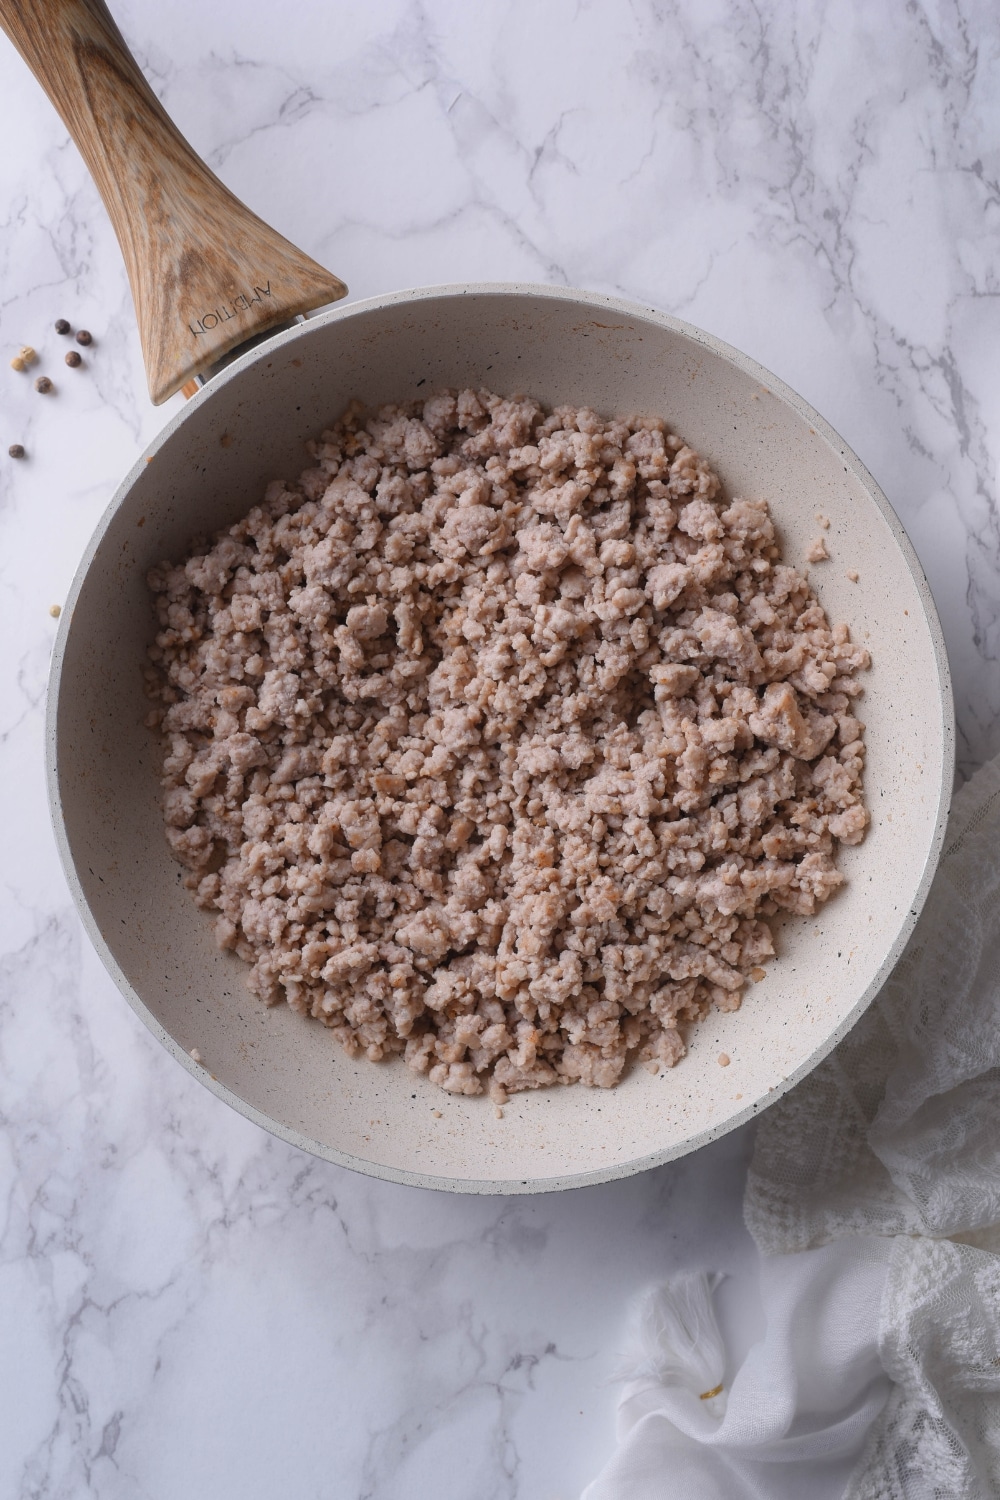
495, 739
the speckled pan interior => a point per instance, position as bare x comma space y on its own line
211, 464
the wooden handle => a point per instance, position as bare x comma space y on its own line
206, 273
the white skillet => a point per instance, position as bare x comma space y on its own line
248, 425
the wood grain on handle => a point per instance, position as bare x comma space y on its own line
205, 272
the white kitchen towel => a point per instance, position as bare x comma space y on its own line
794, 1420
874, 1197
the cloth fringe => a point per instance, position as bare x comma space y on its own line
676, 1338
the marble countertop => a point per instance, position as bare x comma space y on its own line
188, 1306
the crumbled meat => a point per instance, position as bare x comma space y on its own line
495, 740
818, 551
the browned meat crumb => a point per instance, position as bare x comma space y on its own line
818, 551
496, 738
822, 520
852, 575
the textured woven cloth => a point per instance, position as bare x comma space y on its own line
874, 1198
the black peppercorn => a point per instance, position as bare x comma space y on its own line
43, 384
73, 358
16, 450
83, 337
62, 325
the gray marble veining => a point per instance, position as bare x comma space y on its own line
186, 1305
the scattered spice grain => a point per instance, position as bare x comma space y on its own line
16, 450
73, 359
43, 385
62, 325
83, 337
55, 610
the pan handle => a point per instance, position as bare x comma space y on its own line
206, 273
